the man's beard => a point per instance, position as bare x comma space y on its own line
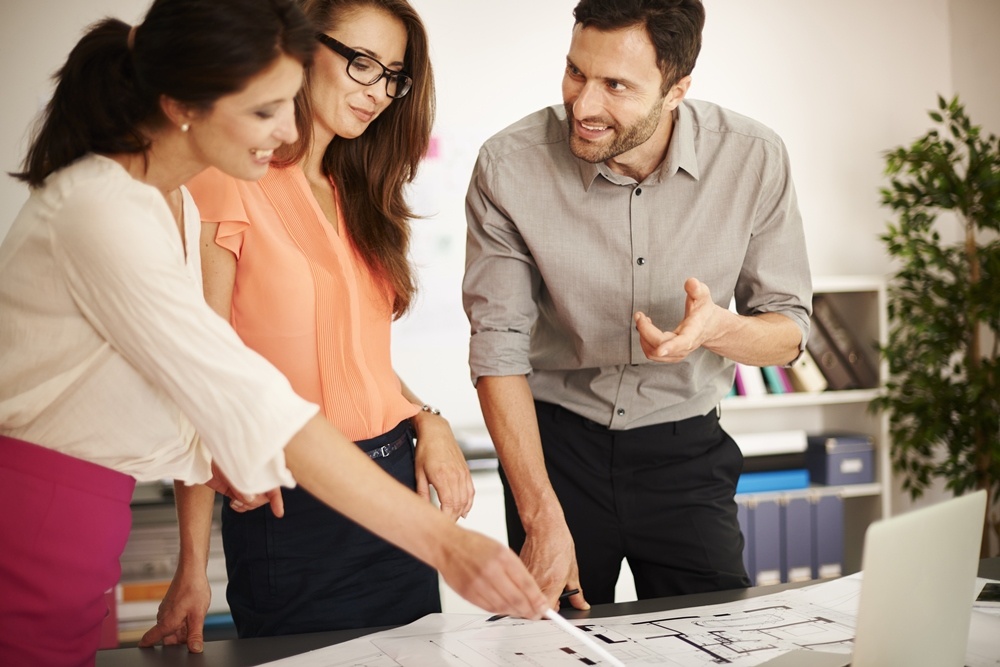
625, 139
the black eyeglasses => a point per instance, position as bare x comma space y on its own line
367, 71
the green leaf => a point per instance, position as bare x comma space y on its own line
943, 400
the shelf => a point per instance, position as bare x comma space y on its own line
856, 283
860, 302
844, 491
153, 493
797, 399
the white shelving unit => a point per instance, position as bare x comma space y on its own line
860, 301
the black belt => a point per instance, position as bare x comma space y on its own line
386, 450
384, 445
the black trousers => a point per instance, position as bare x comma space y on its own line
316, 570
661, 496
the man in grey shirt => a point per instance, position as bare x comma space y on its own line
607, 238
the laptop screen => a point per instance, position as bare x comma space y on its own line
918, 583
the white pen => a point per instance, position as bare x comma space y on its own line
580, 635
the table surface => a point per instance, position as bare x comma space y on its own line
250, 652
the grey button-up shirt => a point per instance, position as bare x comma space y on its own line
561, 253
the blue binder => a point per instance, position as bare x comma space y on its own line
743, 517
828, 537
772, 480
765, 529
796, 540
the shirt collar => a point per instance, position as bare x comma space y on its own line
680, 155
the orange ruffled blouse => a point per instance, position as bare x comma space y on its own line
305, 299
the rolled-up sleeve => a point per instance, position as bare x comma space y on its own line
501, 280
775, 277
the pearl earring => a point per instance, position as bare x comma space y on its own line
185, 127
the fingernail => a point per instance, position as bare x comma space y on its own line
197, 647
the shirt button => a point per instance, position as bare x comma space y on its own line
621, 412
640, 261
638, 191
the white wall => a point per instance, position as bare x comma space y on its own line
35, 38
975, 58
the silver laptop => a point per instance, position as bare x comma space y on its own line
917, 587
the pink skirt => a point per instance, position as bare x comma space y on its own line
63, 527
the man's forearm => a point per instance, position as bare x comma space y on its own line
768, 339
509, 411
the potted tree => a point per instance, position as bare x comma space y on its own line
943, 391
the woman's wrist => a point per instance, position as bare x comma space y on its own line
429, 420
429, 414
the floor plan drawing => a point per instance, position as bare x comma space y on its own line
738, 634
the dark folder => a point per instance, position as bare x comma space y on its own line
769, 462
823, 351
845, 343
828, 537
796, 539
743, 517
765, 529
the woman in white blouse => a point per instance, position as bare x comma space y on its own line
113, 368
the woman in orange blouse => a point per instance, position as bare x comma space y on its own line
310, 267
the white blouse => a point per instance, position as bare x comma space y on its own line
108, 351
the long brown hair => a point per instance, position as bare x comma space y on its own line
194, 51
371, 170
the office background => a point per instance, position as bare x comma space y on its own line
840, 82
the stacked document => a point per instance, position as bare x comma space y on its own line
773, 461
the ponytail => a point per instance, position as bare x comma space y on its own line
193, 51
97, 105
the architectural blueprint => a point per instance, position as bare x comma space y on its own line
737, 634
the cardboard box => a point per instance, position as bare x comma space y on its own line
841, 458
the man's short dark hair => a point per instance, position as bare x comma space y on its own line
674, 27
